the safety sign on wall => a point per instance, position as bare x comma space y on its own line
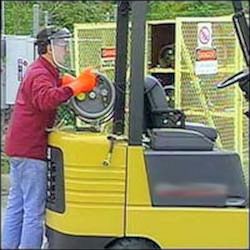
22, 65
206, 55
108, 56
204, 35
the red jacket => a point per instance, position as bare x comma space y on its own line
38, 97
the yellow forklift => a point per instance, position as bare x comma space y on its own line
162, 185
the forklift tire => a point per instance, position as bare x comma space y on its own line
133, 243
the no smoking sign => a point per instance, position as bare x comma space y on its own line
206, 55
204, 36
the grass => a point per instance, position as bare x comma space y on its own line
4, 164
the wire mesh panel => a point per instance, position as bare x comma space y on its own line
95, 47
198, 95
245, 144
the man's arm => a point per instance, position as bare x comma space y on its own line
47, 97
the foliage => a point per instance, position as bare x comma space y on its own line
5, 168
19, 14
65, 116
172, 9
18, 18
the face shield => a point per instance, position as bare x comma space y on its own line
63, 49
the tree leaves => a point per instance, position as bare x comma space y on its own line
19, 14
172, 9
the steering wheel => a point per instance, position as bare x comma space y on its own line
238, 77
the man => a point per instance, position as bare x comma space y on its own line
39, 94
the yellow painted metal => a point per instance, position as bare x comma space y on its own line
160, 70
138, 190
178, 63
156, 22
175, 227
94, 194
198, 96
115, 201
190, 228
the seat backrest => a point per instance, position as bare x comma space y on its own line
157, 112
155, 98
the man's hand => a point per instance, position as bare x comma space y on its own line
67, 79
85, 82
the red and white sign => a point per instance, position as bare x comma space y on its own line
204, 35
206, 54
108, 52
206, 61
108, 56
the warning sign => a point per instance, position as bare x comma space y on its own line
206, 61
22, 65
108, 52
206, 54
108, 56
204, 36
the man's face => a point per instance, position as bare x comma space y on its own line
61, 52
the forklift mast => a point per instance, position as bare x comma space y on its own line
123, 10
137, 69
137, 75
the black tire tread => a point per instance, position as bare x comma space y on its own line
133, 243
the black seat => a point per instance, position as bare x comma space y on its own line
157, 113
169, 130
209, 132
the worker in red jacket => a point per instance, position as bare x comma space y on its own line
39, 94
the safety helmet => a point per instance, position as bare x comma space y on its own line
49, 33
60, 40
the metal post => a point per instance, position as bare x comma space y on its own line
121, 65
136, 105
115, 15
46, 18
35, 19
3, 19
3, 65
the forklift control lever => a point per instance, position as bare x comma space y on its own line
112, 138
238, 77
